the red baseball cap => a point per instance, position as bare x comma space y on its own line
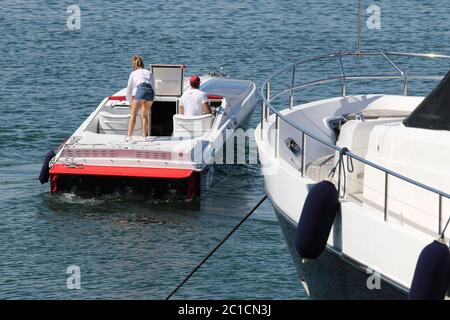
194, 80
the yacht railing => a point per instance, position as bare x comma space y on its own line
343, 78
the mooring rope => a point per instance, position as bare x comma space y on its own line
217, 247
342, 169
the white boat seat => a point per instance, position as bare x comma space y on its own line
111, 123
191, 125
355, 135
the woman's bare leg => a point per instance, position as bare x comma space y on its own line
135, 106
144, 116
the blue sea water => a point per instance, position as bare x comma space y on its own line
51, 80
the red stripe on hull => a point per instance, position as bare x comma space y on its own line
118, 98
123, 98
159, 173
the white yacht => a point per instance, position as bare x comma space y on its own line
360, 183
178, 153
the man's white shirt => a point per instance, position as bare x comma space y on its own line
193, 100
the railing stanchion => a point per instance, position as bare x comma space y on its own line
359, 29
339, 179
386, 181
405, 85
402, 73
263, 107
303, 154
266, 115
291, 94
277, 136
344, 80
440, 215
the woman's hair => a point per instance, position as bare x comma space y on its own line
137, 62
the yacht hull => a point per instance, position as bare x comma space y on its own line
363, 236
332, 276
388, 159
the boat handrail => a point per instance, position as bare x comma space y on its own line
267, 100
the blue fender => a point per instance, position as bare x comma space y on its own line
432, 275
316, 220
44, 175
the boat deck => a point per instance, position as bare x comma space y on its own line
114, 141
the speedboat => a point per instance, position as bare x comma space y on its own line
360, 183
175, 157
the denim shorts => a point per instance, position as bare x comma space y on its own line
144, 91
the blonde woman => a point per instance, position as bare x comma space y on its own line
140, 84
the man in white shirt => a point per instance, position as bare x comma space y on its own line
194, 102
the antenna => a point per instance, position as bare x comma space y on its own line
359, 28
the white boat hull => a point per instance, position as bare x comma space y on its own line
361, 241
96, 158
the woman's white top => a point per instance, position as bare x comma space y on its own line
137, 77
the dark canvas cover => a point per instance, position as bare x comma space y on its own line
434, 111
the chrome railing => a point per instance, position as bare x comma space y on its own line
343, 78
